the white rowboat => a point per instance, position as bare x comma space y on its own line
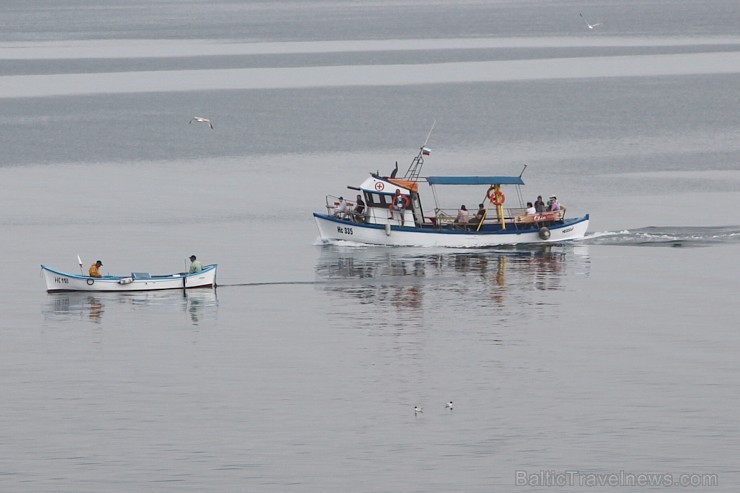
137, 281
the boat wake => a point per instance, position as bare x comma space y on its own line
344, 243
274, 283
658, 236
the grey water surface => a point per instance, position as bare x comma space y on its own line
570, 366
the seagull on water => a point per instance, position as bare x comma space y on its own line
449, 405
590, 26
417, 410
200, 119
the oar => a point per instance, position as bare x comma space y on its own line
79, 260
185, 276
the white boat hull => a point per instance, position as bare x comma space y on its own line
61, 281
334, 229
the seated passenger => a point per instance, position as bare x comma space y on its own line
462, 215
481, 214
477, 220
539, 205
554, 206
342, 209
531, 209
358, 214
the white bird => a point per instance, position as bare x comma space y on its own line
590, 26
418, 410
200, 119
449, 405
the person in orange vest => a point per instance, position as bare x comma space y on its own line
94, 272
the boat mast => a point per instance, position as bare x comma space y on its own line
414, 170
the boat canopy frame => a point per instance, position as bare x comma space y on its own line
491, 181
475, 180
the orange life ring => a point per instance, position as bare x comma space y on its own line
496, 197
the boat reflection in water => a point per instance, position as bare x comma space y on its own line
410, 279
198, 305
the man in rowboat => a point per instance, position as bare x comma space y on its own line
195, 265
94, 269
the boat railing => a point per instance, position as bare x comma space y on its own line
540, 217
332, 201
446, 218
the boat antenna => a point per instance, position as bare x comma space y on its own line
416, 164
525, 167
430, 132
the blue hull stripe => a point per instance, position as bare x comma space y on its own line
448, 232
115, 278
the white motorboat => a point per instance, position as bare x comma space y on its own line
501, 224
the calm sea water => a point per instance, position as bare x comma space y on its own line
616, 355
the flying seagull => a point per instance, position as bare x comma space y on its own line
418, 410
590, 26
200, 119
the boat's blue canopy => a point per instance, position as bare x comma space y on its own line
475, 180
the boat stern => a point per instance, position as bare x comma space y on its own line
574, 230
